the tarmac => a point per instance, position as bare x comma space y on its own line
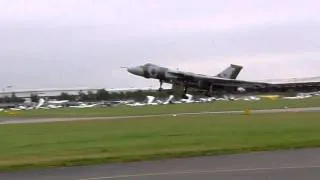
47, 120
277, 165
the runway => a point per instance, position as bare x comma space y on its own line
278, 165
47, 120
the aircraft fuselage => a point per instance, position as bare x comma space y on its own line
188, 79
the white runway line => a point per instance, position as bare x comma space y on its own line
202, 172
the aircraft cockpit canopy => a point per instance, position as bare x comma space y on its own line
149, 64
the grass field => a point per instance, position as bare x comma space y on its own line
162, 109
91, 142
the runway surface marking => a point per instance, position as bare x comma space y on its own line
276, 165
201, 172
46, 120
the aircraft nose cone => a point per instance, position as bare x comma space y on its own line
136, 71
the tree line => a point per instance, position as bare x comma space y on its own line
11, 99
100, 95
104, 95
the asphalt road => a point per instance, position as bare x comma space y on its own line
45, 120
278, 165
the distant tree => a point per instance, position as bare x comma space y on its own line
66, 96
291, 92
102, 94
34, 98
12, 99
87, 97
6, 99
141, 95
16, 99
82, 96
122, 95
92, 96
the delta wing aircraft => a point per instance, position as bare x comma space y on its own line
226, 78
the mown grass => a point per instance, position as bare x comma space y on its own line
92, 142
162, 109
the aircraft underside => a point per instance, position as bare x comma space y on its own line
184, 87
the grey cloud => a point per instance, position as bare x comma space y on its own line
85, 43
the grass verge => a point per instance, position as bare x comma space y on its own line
94, 142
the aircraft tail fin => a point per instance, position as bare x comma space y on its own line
231, 72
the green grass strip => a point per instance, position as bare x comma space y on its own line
93, 142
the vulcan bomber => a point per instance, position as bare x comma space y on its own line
207, 83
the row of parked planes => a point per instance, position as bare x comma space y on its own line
150, 100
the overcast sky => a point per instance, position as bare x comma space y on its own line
83, 43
